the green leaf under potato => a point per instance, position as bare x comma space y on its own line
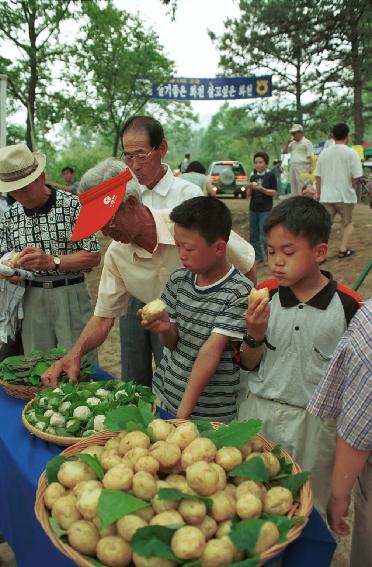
53, 466
283, 524
93, 561
235, 434
244, 534
294, 482
175, 494
202, 425
114, 504
254, 469
93, 462
56, 528
154, 541
118, 419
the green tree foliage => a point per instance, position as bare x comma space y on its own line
32, 27
113, 50
311, 48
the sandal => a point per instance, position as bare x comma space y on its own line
345, 253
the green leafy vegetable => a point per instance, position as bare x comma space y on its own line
119, 418
56, 528
244, 535
53, 466
285, 464
294, 482
113, 504
254, 469
93, 462
153, 541
202, 425
235, 434
174, 494
283, 524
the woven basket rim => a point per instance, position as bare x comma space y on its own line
303, 509
21, 391
56, 439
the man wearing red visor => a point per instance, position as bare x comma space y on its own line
138, 261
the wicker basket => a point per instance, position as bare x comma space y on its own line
20, 391
302, 508
56, 439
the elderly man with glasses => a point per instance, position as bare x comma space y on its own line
144, 148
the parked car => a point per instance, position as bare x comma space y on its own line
229, 178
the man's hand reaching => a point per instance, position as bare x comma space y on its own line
70, 364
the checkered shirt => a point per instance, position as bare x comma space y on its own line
48, 228
345, 393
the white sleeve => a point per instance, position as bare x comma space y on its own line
240, 253
112, 300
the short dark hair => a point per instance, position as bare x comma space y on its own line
196, 166
68, 168
301, 216
148, 123
340, 131
262, 155
208, 215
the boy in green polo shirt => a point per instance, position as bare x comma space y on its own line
291, 337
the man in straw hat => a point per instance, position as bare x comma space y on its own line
301, 150
38, 226
139, 261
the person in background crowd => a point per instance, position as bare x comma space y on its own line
140, 260
184, 163
344, 394
329, 141
277, 171
337, 169
300, 150
71, 184
206, 300
195, 173
144, 147
293, 336
262, 187
38, 226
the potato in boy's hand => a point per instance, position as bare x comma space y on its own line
151, 311
258, 294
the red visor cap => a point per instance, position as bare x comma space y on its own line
98, 205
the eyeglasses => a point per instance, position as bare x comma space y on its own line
141, 157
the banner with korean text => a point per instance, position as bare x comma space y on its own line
222, 88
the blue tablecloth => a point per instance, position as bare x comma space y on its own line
22, 460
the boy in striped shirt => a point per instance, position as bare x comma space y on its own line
206, 300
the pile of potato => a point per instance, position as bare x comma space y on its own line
181, 459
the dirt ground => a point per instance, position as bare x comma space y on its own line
344, 270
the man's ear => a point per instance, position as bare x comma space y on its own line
163, 147
220, 247
321, 251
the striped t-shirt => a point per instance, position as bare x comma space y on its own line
198, 312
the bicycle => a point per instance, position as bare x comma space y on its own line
363, 190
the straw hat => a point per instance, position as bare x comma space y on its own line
19, 167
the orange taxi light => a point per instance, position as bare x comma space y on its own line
215, 177
241, 177
228, 162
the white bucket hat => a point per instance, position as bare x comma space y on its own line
296, 128
19, 167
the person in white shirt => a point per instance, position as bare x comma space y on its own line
301, 151
337, 169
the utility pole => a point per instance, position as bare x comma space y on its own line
3, 79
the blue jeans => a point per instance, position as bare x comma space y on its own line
137, 346
257, 237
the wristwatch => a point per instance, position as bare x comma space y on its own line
57, 262
251, 342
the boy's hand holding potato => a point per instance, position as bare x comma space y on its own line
154, 316
257, 316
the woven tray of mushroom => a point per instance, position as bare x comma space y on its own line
150, 492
